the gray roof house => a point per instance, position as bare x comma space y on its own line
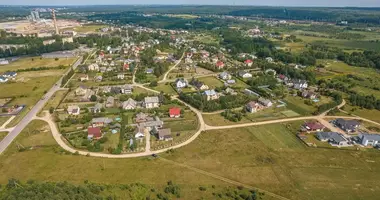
347, 125
110, 102
100, 121
165, 134
265, 102
335, 139
370, 139
97, 108
130, 104
151, 102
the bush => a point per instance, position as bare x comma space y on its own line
201, 188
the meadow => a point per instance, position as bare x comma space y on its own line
36, 62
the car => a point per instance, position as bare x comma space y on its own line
155, 155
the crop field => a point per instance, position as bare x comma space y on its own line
35, 62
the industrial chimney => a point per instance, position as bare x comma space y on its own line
55, 21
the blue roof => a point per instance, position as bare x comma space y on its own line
149, 70
210, 92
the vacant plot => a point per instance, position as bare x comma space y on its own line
166, 88
212, 82
35, 62
362, 112
297, 104
89, 28
3, 134
272, 158
56, 99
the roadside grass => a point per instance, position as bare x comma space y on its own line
211, 82
35, 62
27, 93
3, 134
56, 99
3, 120
166, 88
373, 115
272, 158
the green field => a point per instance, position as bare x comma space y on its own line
55, 99
362, 112
211, 82
2, 135
166, 88
89, 28
35, 62
272, 158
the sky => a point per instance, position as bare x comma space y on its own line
324, 3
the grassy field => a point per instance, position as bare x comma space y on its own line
55, 99
212, 82
168, 89
89, 28
3, 120
272, 158
362, 112
35, 62
2, 135
298, 105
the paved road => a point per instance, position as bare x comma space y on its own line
32, 113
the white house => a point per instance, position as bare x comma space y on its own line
120, 76
83, 78
3, 79
130, 104
73, 110
370, 139
299, 84
253, 107
211, 95
151, 102
269, 59
127, 89
225, 76
181, 83
245, 74
93, 67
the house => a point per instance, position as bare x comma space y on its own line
130, 104
347, 125
98, 78
309, 94
211, 95
225, 76
248, 63
219, 65
83, 77
165, 134
126, 89
314, 126
335, 139
73, 110
126, 67
152, 123
265, 102
100, 121
181, 83
199, 85
175, 112
370, 139
231, 81
149, 71
151, 102
139, 132
141, 117
230, 91
3, 79
110, 102
120, 76
97, 108
282, 78
93, 67
244, 74
253, 107
94, 133
300, 84
81, 90
269, 59
10, 74
103, 69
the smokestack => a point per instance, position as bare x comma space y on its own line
55, 21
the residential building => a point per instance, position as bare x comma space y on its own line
370, 139
347, 125
181, 83
175, 112
335, 139
139, 132
98, 78
225, 76
297, 84
142, 117
211, 95
165, 134
81, 90
265, 102
199, 85
10, 74
73, 110
120, 76
130, 104
230, 91
94, 133
309, 94
245, 74
231, 81
253, 107
100, 121
149, 71
110, 102
248, 62
151, 102
314, 126
83, 77
127, 89
93, 67
97, 108
152, 123
219, 65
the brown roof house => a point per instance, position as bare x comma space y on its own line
94, 133
165, 134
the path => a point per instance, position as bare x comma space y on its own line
7, 122
173, 67
32, 113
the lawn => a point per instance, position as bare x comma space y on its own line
35, 62
27, 93
56, 99
272, 158
211, 82
298, 105
362, 112
166, 88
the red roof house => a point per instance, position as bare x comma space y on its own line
248, 62
94, 133
219, 64
314, 126
126, 66
174, 112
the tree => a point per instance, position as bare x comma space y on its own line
153, 84
51, 110
93, 98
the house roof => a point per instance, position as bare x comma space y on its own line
248, 61
151, 100
105, 120
350, 124
332, 136
182, 80
366, 137
175, 111
94, 131
223, 74
98, 106
252, 104
165, 133
242, 73
129, 102
219, 63
314, 125
149, 70
210, 92
264, 101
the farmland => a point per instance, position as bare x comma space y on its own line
36, 62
